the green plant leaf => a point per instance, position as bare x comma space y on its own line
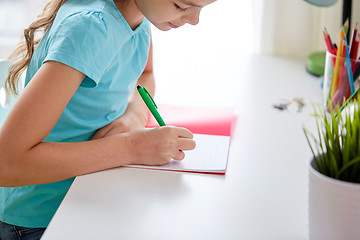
346, 166
336, 146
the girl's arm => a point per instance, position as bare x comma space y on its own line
26, 160
136, 114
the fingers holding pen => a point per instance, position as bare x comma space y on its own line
161, 144
183, 145
169, 142
185, 142
184, 133
184, 137
179, 155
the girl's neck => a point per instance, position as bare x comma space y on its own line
130, 12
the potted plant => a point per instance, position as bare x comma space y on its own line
334, 174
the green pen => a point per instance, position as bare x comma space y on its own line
150, 103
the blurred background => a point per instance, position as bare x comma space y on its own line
229, 30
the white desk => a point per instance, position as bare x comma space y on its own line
262, 196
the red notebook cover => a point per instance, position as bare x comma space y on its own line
201, 120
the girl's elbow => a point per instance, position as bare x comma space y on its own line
5, 177
7, 170
8, 178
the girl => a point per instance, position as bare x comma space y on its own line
79, 112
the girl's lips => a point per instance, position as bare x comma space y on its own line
172, 25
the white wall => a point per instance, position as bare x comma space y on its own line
15, 16
203, 57
224, 19
185, 59
294, 27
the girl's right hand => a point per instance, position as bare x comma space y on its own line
156, 146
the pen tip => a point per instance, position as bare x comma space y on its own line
138, 86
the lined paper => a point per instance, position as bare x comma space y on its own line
209, 156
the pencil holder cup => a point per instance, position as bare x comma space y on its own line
341, 80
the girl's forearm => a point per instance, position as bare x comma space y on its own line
26, 160
50, 162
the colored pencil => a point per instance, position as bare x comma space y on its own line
354, 44
328, 42
348, 66
342, 83
346, 26
357, 72
337, 64
355, 64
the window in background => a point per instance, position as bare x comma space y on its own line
205, 56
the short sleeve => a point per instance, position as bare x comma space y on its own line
82, 41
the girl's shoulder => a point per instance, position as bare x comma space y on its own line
95, 14
86, 10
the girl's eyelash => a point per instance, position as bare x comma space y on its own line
179, 8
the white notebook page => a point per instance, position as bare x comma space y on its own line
210, 155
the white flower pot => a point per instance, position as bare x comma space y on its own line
334, 207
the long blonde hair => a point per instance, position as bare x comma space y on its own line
21, 56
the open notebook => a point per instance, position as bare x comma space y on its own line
212, 130
209, 156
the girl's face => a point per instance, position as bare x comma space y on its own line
168, 14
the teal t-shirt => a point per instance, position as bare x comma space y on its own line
93, 37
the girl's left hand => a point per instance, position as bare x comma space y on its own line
129, 121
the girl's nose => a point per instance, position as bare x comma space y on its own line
192, 17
